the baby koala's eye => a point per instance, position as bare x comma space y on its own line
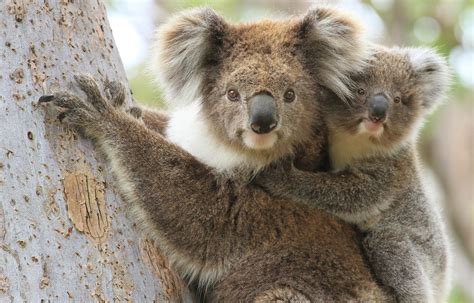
361, 92
233, 95
289, 96
397, 99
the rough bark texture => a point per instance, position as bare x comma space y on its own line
63, 230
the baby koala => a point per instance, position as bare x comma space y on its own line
375, 179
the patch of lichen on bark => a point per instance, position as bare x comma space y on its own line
85, 202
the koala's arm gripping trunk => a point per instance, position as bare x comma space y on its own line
200, 219
179, 200
355, 194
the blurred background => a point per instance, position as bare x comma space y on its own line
447, 140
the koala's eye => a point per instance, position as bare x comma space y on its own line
361, 92
233, 95
289, 96
397, 99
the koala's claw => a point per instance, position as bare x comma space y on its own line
73, 110
136, 112
87, 115
45, 98
63, 100
115, 92
89, 86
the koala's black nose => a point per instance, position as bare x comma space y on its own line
262, 113
378, 106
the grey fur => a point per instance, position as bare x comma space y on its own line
191, 42
216, 228
380, 188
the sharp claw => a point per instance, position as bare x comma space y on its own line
136, 112
45, 98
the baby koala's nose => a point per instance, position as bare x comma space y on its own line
378, 106
262, 113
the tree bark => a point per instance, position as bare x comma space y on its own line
63, 231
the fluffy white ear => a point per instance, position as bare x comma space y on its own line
334, 48
183, 47
432, 75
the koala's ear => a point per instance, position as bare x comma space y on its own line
183, 47
432, 75
334, 48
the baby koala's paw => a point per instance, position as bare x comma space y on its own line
275, 177
87, 115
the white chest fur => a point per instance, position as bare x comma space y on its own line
189, 130
345, 148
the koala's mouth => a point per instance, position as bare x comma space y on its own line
371, 127
256, 141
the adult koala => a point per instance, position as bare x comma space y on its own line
244, 96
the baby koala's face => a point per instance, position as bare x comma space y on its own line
398, 88
386, 104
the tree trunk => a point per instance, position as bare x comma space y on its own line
63, 230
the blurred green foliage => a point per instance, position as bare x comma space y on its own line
401, 20
228, 8
457, 296
144, 89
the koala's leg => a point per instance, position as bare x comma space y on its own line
285, 273
397, 265
270, 276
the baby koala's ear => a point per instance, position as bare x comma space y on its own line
182, 48
432, 75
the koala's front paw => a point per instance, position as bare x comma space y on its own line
136, 112
88, 116
115, 92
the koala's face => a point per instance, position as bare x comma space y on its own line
393, 95
256, 83
259, 95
